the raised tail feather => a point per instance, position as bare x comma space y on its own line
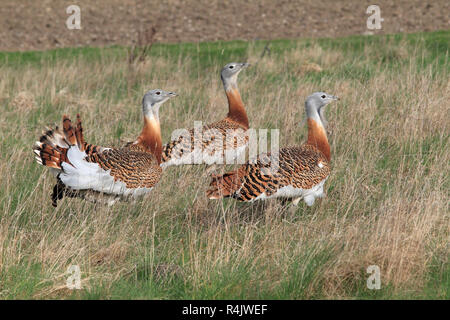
225, 185
51, 149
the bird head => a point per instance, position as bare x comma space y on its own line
153, 99
314, 105
230, 72
319, 99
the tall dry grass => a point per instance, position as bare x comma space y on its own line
387, 202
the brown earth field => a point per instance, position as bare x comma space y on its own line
40, 25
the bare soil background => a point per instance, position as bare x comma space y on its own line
40, 25
387, 197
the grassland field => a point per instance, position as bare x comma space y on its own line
387, 197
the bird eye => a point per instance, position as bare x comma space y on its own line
231, 67
323, 96
158, 93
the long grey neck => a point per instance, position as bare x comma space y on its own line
151, 110
230, 83
322, 117
318, 116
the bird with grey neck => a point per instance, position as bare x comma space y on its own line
100, 174
296, 172
219, 142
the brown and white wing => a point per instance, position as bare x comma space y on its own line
51, 149
215, 143
297, 171
114, 171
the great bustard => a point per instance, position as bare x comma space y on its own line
87, 171
300, 172
219, 141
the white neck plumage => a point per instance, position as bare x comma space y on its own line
317, 116
231, 82
151, 111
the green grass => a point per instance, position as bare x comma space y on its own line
387, 196
208, 54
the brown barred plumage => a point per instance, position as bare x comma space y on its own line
210, 142
232, 130
90, 172
136, 169
55, 142
300, 171
297, 167
132, 164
